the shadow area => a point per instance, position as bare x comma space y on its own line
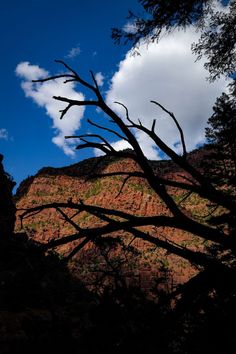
44, 308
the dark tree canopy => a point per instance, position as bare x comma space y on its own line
222, 124
161, 14
218, 37
218, 43
220, 133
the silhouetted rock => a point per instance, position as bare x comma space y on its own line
7, 206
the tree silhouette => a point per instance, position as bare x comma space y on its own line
218, 38
209, 298
220, 133
193, 182
7, 207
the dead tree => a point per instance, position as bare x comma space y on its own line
195, 183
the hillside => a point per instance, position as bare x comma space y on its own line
145, 264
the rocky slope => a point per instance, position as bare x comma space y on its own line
140, 263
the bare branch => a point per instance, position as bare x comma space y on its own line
99, 146
73, 77
122, 187
83, 136
184, 223
54, 77
187, 179
192, 256
153, 125
76, 250
96, 136
94, 80
65, 110
69, 220
107, 129
76, 102
207, 189
67, 67
69, 80
142, 160
177, 125
61, 241
76, 76
126, 110
72, 103
187, 195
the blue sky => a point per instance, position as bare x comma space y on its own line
40, 31
34, 33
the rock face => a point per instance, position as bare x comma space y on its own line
139, 262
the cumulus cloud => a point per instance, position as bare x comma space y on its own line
166, 72
4, 134
30, 72
99, 78
73, 52
42, 93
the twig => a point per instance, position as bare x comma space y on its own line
126, 110
76, 250
68, 219
123, 184
177, 125
107, 129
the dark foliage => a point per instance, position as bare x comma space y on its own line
160, 15
218, 43
221, 134
218, 39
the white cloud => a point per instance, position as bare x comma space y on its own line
99, 78
117, 145
130, 27
121, 145
166, 72
4, 134
42, 94
30, 72
73, 52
